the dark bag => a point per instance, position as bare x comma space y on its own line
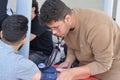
38, 57
50, 60
56, 56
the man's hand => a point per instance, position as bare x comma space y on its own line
0, 34
65, 65
65, 74
77, 73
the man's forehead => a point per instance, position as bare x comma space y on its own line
53, 23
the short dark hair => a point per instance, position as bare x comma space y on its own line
35, 4
53, 10
14, 28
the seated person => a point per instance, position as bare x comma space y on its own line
14, 66
41, 37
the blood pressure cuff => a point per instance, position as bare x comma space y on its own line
49, 73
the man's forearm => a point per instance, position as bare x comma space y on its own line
81, 72
77, 73
70, 57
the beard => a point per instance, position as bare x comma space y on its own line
67, 31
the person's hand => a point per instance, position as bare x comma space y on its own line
65, 65
65, 74
77, 73
0, 34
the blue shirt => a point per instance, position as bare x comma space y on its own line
14, 66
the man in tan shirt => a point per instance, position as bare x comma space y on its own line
92, 38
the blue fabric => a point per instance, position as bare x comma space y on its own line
49, 73
14, 66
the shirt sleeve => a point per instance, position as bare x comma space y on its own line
70, 51
101, 42
26, 69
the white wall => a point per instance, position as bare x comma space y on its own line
108, 7
118, 12
97, 4
13, 5
81, 3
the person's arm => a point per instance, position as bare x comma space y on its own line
0, 34
74, 73
102, 48
69, 59
37, 76
32, 36
27, 70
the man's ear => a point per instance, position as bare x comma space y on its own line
67, 18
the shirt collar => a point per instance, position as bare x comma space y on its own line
5, 47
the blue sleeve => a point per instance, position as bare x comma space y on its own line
26, 69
